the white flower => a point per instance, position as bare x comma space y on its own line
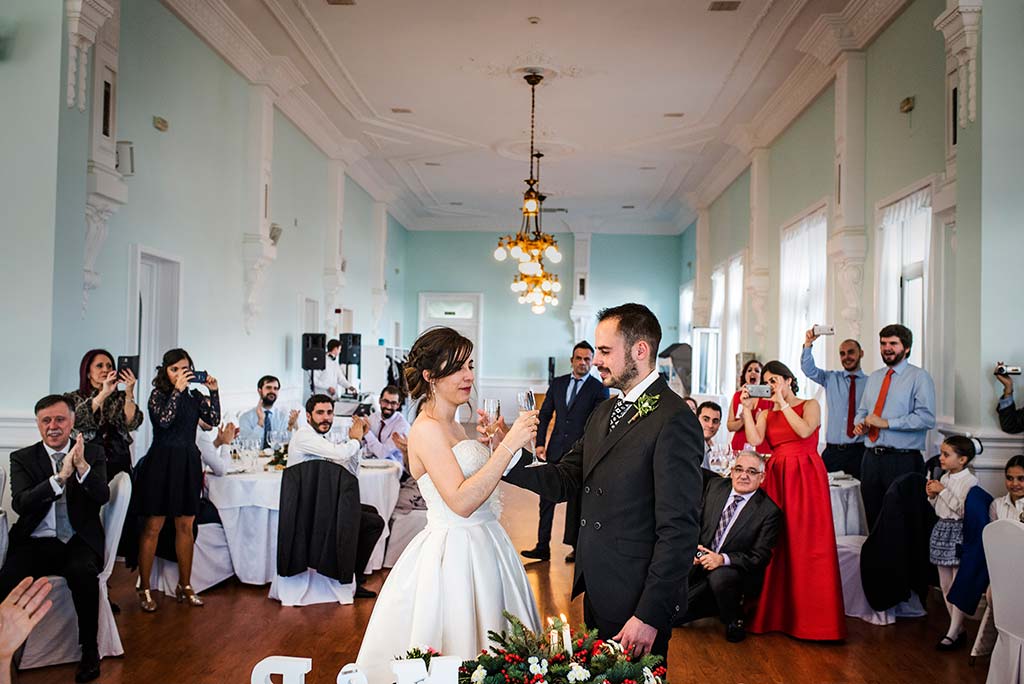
478, 674
538, 666
577, 673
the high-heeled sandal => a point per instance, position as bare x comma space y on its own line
146, 601
183, 593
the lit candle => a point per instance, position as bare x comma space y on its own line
566, 637
552, 635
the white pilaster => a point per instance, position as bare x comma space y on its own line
334, 261
258, 251
959, 25
761, 251
581, 312
85, 18
702, 281
379, 293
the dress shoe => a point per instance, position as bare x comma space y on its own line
88, 666
187, 593
735, 632
571, 557
363, 592
146, 601
537, 553
947, 644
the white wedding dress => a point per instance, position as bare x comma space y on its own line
451, 583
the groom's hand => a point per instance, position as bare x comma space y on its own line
636, 636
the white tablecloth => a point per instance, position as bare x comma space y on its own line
847, 508
248, 507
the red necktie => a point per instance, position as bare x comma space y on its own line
851, 405
880, 404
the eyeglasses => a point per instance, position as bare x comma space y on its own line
739, 470
385, 402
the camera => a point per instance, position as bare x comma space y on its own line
760, 391
699, 554
1003, 369
198, 377
824, 330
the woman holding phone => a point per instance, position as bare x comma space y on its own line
104, 414
169, 479
751, 375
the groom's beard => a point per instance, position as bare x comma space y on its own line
629, 374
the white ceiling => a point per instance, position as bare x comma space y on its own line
615, 69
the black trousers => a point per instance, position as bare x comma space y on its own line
371, 526
74, 561
720, 592
607, 629
845, 457
547, 518
878, 469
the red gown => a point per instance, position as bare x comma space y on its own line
802, 594
739, 438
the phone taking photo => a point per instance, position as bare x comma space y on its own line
760, 391
199, 377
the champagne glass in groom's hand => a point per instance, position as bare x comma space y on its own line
527, 403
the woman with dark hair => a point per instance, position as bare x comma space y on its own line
751, 375
802, 593
169, 479
456, 577
104, 414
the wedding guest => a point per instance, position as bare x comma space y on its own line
948, 496
709, 414
1011, 506
1011, 418
739, 526
58, 487
692, 403
802, 593
20, 612
105, 415
215, 451
844, 449
331, 380
569, 401
896, 412
383, 427
169, 479
751, 375
310, 442
259, 422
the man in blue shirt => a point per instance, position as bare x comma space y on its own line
258, 423
896, 413
844, 448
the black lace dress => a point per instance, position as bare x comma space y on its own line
169, 479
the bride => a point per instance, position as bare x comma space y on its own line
455, 578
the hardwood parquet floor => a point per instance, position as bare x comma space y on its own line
239, 626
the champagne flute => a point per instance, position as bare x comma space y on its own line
527, 403
492, 409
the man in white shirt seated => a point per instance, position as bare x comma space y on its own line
383, 427
710, 416
260, 421
215, 450
331, 380
310, 442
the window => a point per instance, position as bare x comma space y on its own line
903, 244
802, 287
686, 313
733, 319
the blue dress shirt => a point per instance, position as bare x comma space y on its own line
578, 383
909, 406
837, 396
249, 423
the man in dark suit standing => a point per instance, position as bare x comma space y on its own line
571, 398
637, 471
739, 527
58, 486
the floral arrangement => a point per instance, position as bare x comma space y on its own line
424, 654
522, 656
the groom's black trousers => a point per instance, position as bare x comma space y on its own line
606, 630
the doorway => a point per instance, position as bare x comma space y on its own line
461, 312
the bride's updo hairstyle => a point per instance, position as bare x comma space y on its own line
440, 352
782, 370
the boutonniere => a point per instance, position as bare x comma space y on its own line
646, 403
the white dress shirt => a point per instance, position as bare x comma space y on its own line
706, 464
215, 458
378, 438
1004, 508
950, 501
48, 526
331, 376
637, 391
307, 444
736, 514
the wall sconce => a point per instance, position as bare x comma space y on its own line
275, 233
907, 105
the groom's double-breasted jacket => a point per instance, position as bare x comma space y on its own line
640, 492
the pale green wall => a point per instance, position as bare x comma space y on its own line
800, 170
30, 78
688, 254
730, 220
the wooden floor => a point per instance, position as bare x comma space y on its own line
239, 626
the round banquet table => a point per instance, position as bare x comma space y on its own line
847, 507
248, 507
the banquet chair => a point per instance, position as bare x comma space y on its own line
1004, 554
318, 527
55, 638
854, 600
211, 563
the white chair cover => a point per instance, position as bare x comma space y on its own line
404, 526
853, 590
1004, 553
310, 588
3, 519
55, 638
211, 563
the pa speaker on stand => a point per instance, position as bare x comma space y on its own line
314, 354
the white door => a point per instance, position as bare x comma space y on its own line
461, 312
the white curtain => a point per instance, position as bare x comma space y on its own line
802, 285
733, 316
686, 313
717, 297
897, 219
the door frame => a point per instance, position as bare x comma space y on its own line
136, 252
478, 299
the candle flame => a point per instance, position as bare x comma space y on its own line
551, 621
561, 617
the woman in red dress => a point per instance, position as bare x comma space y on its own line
751, 375
802, 593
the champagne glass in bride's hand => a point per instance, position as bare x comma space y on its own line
492, 411
527, 403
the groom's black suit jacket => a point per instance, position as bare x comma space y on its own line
640, 490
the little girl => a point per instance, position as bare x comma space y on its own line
947, 495
1011, 506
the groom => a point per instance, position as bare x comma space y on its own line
637, 472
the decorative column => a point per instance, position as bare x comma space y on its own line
378, 292
581, 312
702, 281
959, 25
85, 18
760, 252
334, 261
258, 251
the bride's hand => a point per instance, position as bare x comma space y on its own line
522, 432
490, 431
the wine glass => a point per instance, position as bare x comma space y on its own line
491, 409
527, 402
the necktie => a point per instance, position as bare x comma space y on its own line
60, 508
880, 404
723, 522
380, 432
572, 395
851, 405
621, 406
266, 428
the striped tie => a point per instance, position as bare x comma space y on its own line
726, 518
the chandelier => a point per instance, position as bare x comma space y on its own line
530, 245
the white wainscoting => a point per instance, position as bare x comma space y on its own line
504, 390
998, 448
17, 430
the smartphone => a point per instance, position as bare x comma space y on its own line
760, 391
824, 330
198, 377
363, 410
128, 363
